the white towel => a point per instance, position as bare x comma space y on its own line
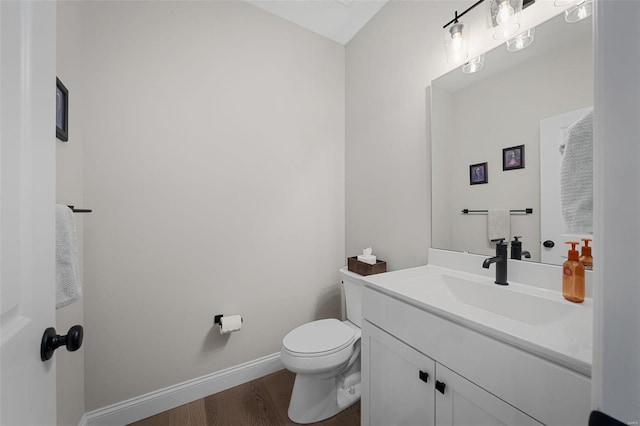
67, 265
499, 224
576, 176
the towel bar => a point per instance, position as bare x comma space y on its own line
525, 211
73, 209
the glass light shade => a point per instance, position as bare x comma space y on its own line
580, 11
521, 41
455, 42
504, 17
473, 65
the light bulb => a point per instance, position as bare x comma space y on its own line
582, 12
505, 12
456, 41
504, 17
583, 9
473, 65
521, 41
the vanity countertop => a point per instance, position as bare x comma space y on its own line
537, 320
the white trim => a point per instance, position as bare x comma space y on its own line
150, 404
83, 421
616, 348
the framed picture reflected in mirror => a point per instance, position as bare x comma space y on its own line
478, 174
513, 158
62, 111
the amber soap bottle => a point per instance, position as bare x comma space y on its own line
586, 258
573, 276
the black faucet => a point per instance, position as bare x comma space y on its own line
500, 260
516, 250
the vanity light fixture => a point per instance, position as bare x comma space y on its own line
455, 42
577, 9
456, 36
521, 41
473, 65
583, 9
504, 17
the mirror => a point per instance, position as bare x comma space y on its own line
474, 117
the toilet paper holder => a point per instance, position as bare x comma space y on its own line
217, 319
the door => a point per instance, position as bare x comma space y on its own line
459, 402
398, 381
552, 134
27, 219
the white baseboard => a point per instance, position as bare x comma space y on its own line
150, 404
83, 420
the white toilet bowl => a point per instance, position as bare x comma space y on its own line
325, 354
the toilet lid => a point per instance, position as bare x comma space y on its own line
320, 336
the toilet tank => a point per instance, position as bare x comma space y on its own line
352, 290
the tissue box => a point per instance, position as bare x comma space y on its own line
354, 265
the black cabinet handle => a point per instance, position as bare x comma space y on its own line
424, 376
548, 244
440, 386
52, 341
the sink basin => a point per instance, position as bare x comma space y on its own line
505, 301
534, 318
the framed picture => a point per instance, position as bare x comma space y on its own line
478, 173
513, 158
62, 111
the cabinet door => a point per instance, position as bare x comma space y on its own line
398, 381
461, 403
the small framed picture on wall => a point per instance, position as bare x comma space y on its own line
478, 174
62, 111
513, 158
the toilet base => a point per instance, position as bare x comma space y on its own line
316, 398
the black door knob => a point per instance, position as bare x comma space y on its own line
548, 244
52, 341
440, 386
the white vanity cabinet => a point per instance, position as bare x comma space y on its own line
398, 381
462, 403
486, 381
405, 387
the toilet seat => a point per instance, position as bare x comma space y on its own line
318, 347
319, 338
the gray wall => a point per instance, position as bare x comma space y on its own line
214, 162
387, 182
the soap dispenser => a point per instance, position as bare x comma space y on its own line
586, 258
516, 249
573, 276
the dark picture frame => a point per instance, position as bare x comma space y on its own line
513, 158
62, 111
478, 173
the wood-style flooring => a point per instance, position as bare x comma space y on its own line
262, 402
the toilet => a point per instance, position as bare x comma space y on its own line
325, 355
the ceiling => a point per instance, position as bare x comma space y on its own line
338, 20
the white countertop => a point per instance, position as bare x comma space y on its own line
535, 319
